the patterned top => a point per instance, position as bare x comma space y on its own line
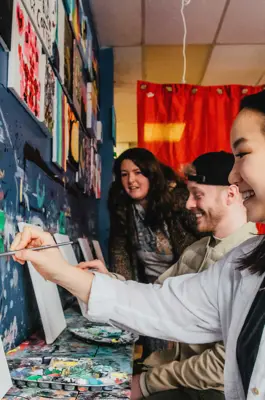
154, 249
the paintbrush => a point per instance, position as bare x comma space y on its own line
50, 246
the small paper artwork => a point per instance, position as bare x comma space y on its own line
77, 79
68, 57
61, 133
49, 99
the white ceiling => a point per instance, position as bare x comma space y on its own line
225, 45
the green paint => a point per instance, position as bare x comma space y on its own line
2, 247
2, 220
62, 223
34, 377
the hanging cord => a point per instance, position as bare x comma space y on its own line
184, 3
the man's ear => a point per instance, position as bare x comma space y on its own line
232, 193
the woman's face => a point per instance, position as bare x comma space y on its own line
248, 144
135, 184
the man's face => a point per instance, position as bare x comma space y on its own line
208, 204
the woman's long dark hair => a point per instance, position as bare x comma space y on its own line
159, 200
255, 260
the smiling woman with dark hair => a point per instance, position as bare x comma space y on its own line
150, 226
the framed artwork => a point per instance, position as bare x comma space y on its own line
26, 69
81, 173
85, 39
49, 98
77, 79
43, 15
73, 126
76, 24
60, 37
69, 6
68, 57
60, 141
98, 177
92, 107
6, 12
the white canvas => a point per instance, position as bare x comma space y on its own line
86, 250
49, 302
5, 378
69, 254
98, 251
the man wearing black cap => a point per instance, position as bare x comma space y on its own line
196, 371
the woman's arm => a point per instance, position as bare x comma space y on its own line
185, 308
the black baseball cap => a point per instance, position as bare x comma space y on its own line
213, 168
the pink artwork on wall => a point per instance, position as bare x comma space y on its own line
26, 69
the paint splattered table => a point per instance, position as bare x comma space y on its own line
43, 372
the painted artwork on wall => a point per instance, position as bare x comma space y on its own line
49, 99
76, 19
43, 15
60, 36
92, 108
60, 147
98, 177
68, 57
26, 70
6, 12
73, 125
77, 79
69, 6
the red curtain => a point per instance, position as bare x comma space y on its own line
179, 122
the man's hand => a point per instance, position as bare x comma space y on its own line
136, 390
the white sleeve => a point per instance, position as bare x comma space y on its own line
184, 309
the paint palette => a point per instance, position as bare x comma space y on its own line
115, 394
39, 394
68, 374
102, 333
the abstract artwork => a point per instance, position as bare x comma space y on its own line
68, 57
77, 79
98, 176
60, 146
74, 139
85, 39
6, 12
69, 6
60, 39
43, 15
49, 98
92, 107
76, 19
26, 62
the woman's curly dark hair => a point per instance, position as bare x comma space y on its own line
159, 199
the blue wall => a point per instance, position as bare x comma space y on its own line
106, 150
25, 152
